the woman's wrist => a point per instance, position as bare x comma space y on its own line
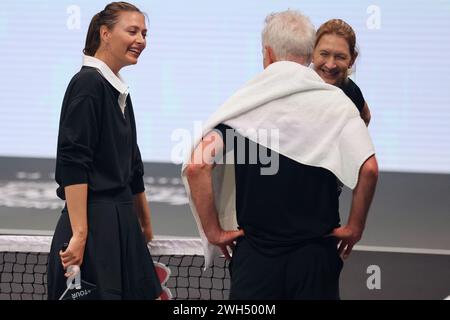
80, 235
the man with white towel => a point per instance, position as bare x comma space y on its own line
285, 137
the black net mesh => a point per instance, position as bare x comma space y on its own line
23, 276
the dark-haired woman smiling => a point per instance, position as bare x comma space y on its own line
106, 220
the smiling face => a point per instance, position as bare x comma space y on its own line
125, 41
332, 59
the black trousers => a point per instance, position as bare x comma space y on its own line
309, 272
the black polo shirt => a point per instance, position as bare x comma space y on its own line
279, 212
96, 141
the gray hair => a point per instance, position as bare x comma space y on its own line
289, 33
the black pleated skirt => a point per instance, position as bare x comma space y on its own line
116, 258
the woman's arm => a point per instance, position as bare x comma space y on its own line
362, 198
78, 137
76, 198
365, 114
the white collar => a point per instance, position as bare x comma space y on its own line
116, 81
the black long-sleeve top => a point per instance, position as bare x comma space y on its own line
96, 141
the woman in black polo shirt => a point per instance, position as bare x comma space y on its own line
333, 57
106, 220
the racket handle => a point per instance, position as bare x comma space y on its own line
64, 246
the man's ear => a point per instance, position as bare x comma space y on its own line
308, 59
269, 56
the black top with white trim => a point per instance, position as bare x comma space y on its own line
97, 142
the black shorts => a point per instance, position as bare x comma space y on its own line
310, 271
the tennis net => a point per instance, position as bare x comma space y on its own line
23, 268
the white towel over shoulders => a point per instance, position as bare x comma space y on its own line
318, 125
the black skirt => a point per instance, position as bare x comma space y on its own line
116, 259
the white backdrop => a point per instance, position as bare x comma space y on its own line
200, 52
